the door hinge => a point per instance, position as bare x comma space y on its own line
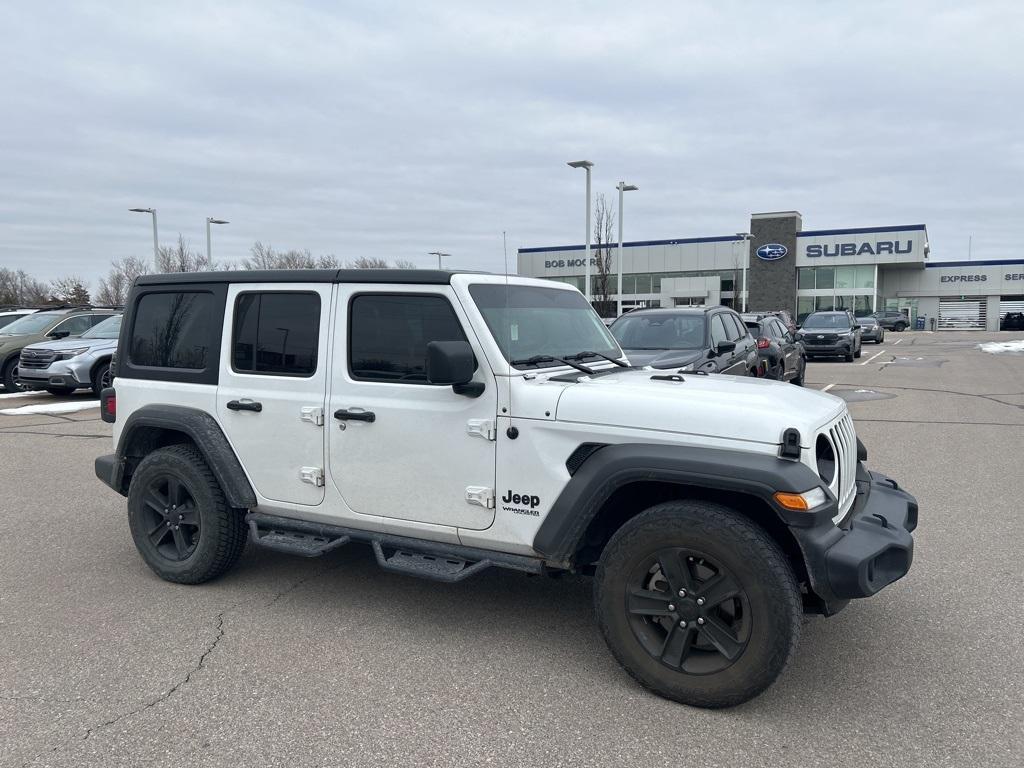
313, 414
484, 428
481, 496
312, 475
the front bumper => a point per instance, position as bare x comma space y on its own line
866, 335
839, 349
870, 550
61, 373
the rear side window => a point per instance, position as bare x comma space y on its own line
276, 333
76, 325
734, 326
718, 334
173, 330
389, 333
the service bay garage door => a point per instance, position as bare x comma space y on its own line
962, 314
1011, 304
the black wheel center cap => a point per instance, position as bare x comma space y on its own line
687, 609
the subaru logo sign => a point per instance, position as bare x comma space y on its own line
772, 251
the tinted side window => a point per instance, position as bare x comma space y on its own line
718, 334
389, 333
173, 330
735, 327
75, 325
276, 333
777, 329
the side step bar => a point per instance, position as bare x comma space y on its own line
416, 557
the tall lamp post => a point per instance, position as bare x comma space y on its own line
744, 237
156, 246
439, 254
586, 165
622, 187
209, 221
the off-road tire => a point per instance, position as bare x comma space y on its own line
222, 530
8, 375
97, 377
753, 560
60, 391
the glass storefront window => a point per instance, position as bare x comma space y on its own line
862, 306
844, 278
865, 276
804, 307
643, 283
805, 277
824, 277
824, 303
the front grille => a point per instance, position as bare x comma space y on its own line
844, 443
821, 338
31, 358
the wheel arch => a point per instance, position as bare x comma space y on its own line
157, 426
103, 360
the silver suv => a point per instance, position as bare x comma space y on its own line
61, 367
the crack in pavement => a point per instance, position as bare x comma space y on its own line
993, 397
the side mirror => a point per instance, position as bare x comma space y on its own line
725, 346
59, 334
452, 362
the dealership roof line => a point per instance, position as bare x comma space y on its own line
860, 230
978, 263
636, 243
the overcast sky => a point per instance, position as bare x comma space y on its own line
394, 129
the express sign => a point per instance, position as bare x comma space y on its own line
863, 248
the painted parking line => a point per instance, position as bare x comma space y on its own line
827, 387
897, 341
879, 352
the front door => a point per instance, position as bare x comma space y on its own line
401, 447
273, 382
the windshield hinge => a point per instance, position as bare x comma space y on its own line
481, 496
313, 414
312, 475
484, 428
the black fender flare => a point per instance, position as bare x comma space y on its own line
614, 466
200, 427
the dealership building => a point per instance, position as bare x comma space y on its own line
779, 265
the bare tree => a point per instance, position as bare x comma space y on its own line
369, 262
115, 286
181, 258
405, 264
266, 257
69, 290
18, 287
604, 231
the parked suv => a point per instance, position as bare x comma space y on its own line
61, 367
42, 326
9, 315
783, 315
461, 421
831, 334
780, 355
708, 339
871, 329
894, 320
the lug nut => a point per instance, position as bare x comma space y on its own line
175, 527
168, 523
682, 593
682, 623
182, 517
671, 607
700, 601
700, 621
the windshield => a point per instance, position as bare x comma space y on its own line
527, 321
660, 331
108, 329
827, 321
29, 324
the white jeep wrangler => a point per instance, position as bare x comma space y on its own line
460, 421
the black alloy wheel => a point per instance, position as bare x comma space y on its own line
171, 518
102, 378
688, 612
10, 377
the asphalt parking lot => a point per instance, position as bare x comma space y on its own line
293, 662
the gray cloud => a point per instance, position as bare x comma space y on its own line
399, 128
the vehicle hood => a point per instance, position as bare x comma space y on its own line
74, 343
16, 342
664, 358
728, 407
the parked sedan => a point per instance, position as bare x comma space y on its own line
781, 355
707, 339
871, 329
61, 367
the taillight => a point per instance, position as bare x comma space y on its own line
762, 343
108, 405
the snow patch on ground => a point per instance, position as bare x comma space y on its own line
19, 394
51, 408
1015, 347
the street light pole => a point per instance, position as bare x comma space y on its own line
209, 221
622, 187
586, 165
439, 254
156, 245
744, 237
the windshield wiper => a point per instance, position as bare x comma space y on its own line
538, 359
582, 355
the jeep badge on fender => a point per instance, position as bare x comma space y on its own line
708, 531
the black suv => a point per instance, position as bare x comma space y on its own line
709, 339
781, 355
893, 320
831, 334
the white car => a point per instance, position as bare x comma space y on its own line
8, 316
461, 421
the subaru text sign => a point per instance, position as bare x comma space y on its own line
772, 251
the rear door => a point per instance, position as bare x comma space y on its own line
782, 337
273, 382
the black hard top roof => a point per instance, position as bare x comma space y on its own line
407, 276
